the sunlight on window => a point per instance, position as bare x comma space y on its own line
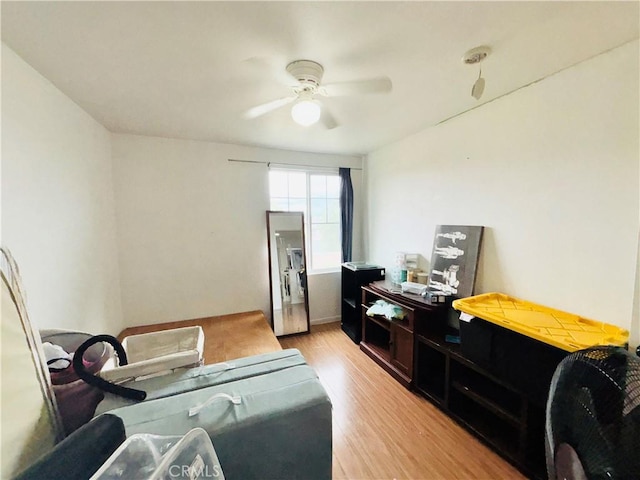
326, 245
288, 192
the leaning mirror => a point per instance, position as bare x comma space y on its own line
287, 273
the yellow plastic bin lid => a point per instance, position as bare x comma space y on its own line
564, 330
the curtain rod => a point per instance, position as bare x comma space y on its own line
287, 164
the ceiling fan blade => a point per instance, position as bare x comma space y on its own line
327, 119
260, 110
358, 87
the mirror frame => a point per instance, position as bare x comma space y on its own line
304, 253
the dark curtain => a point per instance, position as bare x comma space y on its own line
346, 213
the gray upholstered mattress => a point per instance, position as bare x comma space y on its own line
188, 379
280, 429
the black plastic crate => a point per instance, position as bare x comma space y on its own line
476, 341
521, 361
526, 363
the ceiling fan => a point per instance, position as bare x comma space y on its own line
306, 87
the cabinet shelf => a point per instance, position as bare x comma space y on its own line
417, 354
497, 413
484, 390
350, 302
353, 278
437, 341
431, 368
379, 351
430, 396
376, 335
389, 342
500, 434
486, 403
382, 356
378, 320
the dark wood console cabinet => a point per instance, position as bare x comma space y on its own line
390, 343
500, 415
414, 351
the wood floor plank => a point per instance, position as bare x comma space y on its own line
382, 430
225, 337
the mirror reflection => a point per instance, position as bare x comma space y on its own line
287, 272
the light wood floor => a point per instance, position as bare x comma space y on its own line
380, 429
225, 337
383, 431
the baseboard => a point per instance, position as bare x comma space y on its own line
319, 321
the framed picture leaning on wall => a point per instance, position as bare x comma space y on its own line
454, 260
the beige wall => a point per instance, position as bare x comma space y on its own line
58, 213
551, 170
192, 228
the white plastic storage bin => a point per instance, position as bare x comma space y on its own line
158, 352
156, 457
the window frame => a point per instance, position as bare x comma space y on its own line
309, 171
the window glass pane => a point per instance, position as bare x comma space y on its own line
333, 186
297, 184
325, 246
318, 210
279, 204
278, 184
298, 205
318, 184
333, 210
315, 195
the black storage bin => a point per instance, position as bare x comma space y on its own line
520, 361
476, 340
526, 363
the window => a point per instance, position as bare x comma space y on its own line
317, 195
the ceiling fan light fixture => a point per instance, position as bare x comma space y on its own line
306, 112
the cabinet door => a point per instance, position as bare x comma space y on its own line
402, 349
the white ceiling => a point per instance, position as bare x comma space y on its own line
190, 69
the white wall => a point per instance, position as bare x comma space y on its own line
322, 288
58, 216
552, 172
192, 227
